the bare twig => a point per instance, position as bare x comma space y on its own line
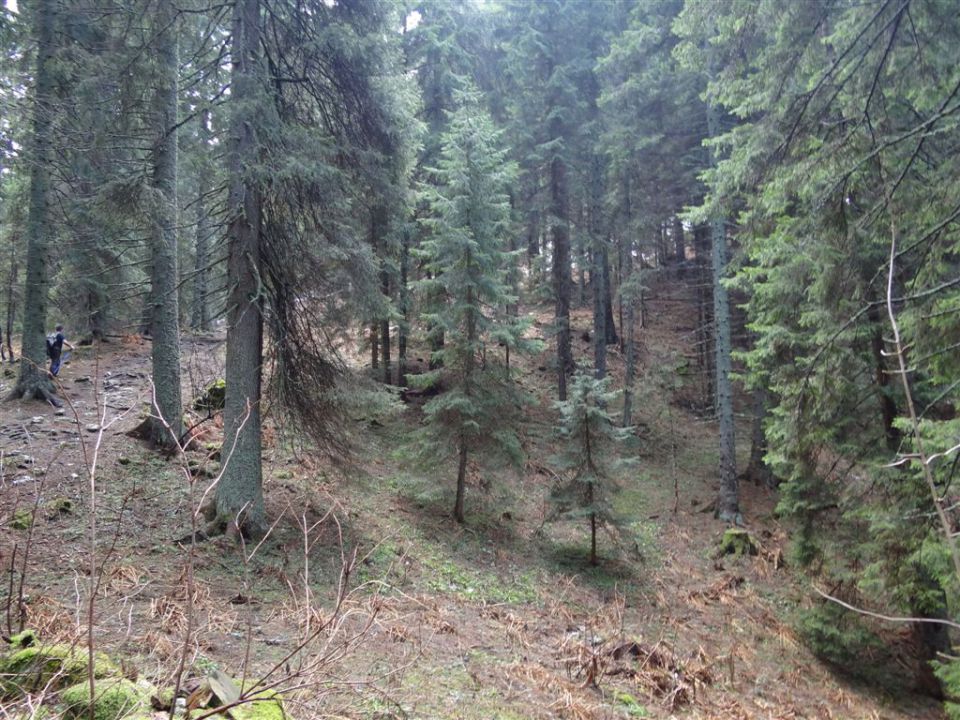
879, 616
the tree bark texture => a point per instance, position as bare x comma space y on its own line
679, 245
468, 370
705, 354
240, 491
610, 328
561, 272
757, 470
728, 507
12, 300
888, 408
599, 314
7, 354
167, 408
33, 381
458, 513
533, 235
379, 231
200, 315
628, 332
404, 297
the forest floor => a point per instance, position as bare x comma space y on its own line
498, 618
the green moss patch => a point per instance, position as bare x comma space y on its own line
114, 698
212, 396
738, 542
22, 520
266, 705
48, 666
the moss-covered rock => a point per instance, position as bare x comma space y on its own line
737, 541
22, 519
266, 705
59, 506
212, 396
203, 468
24, 639
48, 666
114, 698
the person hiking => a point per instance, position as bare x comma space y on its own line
55, 342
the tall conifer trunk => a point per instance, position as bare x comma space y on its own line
705, 345
240, 491
605, 333
167, 408
404, 297
200, 315
757, 469
379, 231
11, 300
728, 507
561, 272
33, 381
609, 326
627, 326
679, 245
533, 236
599, 313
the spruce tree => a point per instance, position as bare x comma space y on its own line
590, 440
302, 157
465, 255
33, 382
239, 495
166, 423
840, 163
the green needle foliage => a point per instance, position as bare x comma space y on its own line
593, 448
467, 265
844, 137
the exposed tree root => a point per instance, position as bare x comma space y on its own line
42, 390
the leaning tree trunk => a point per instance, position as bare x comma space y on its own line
728, 508
33, 381
166, 423
239, 496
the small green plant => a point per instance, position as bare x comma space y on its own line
591, 457
629, 703
645, 535
22, 519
